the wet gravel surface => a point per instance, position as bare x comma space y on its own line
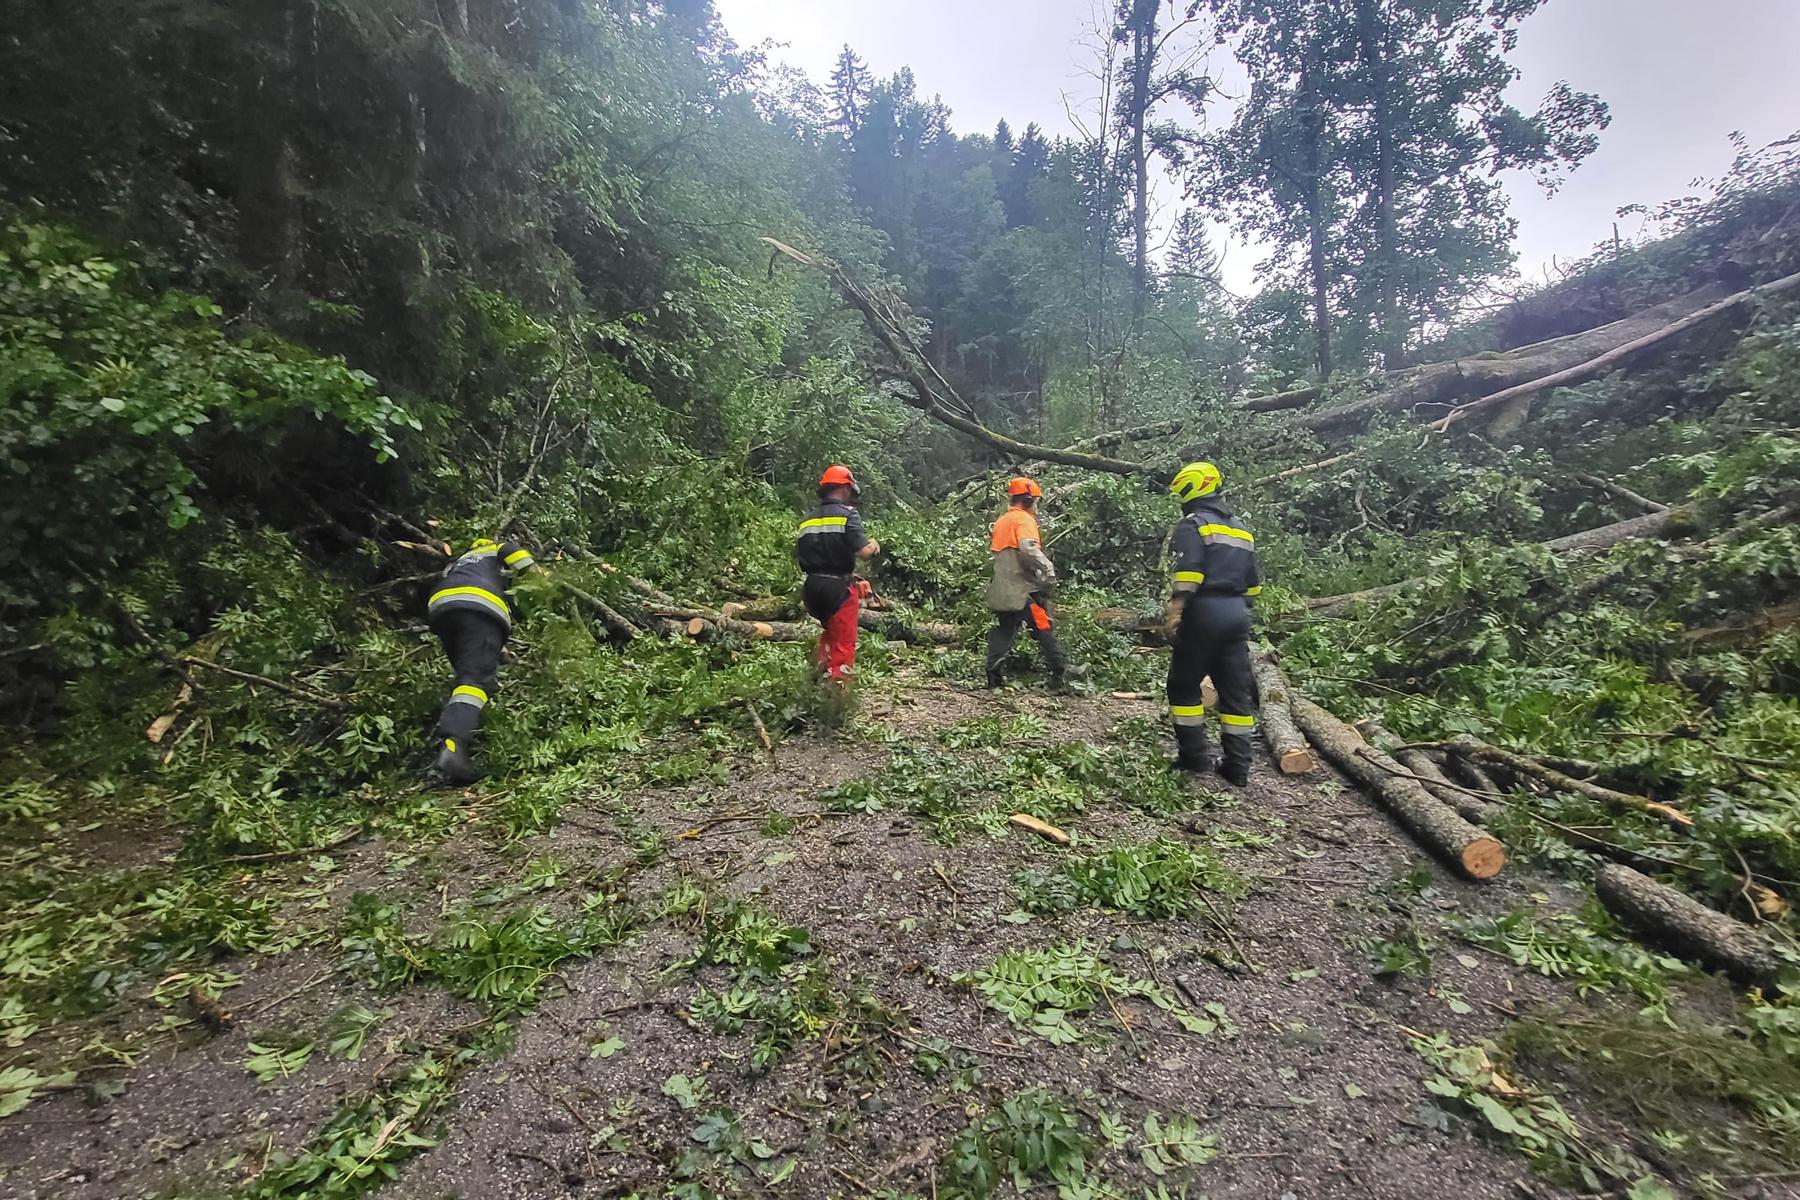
1313, 1089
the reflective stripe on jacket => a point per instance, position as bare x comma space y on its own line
1212, 553
1020, 565
829, 539
477, 581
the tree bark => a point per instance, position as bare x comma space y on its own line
1431, 776
1620, 492
268, 225
1687, 927
1479, 375
1523, 765
1275, 717
700, 623
1292, 398
1312, 124
1471, 851
1377, 55
1143, 55
1600, 364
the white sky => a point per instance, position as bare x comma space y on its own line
1679, 74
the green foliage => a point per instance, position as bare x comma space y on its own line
1719, 1097
1039, 990
361, 1147
1159, 879
1531, 1122
1030, 1138
500, 962
1568, 946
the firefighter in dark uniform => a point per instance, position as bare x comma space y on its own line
1213, 559
469, 613
831, 542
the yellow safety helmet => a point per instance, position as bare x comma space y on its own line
1195, 480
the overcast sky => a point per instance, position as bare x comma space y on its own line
1680, 75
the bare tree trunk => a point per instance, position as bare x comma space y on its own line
268, 222
455, 17
1376, 56
1313, 124
1143, 53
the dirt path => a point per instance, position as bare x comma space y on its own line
1307, 1083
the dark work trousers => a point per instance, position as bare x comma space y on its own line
473, 641
1035, 616
1213, 639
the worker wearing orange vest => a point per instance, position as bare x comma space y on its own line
1019, 590
831, 542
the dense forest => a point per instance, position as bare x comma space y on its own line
296, 296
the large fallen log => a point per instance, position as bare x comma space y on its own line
1525, 766
1600, 364
1584, 544
699, 623
1275, 717
1430, 776
1292, 398
1471, 851
931, 393
1681, 924
1447, 385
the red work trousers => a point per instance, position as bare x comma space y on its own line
837, 644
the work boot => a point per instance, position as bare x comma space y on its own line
995, 680
1234, 766
453, 766
1190, 745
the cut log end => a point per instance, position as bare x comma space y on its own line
1296, 762
1483, 858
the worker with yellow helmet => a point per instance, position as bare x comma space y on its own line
1213, 560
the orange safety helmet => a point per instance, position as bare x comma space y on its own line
1018, 485
838, 475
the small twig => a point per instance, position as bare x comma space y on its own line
302, 852
1225, 928
306, 694
762, 732
702, 827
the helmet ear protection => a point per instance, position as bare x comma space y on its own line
838, 475
1195, 480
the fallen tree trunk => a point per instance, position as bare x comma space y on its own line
1292, 398
1584, 544
1471, 851
1275, 717
763, 608
1430, 776
930, 397
1752, 628
1491, 376
1680, 923
1602, 363
699, 623
1525, 766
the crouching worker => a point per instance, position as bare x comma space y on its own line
1214, 563
1019, 590
830, 544
470, 616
